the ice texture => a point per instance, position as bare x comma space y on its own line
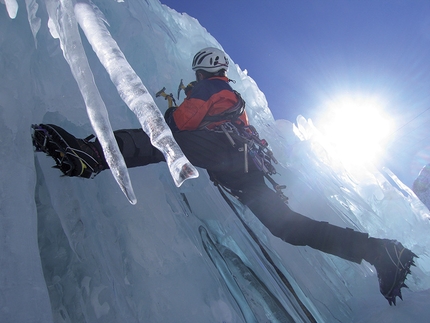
133, 92
421, 185
11, 7
32, 6
62, 14
74, 250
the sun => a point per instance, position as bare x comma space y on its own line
356, 127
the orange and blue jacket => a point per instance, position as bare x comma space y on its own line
209, 97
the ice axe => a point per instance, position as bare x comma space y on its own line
181, 87
187, 88
169, 97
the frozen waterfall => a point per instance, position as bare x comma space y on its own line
75, 250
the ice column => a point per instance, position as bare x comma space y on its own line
67, 28
133, 92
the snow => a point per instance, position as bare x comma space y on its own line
75, 250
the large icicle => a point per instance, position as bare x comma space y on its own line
63, 16
133, 92
11, 8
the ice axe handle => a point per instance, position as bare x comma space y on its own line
181, 87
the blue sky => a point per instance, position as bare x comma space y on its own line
304, 53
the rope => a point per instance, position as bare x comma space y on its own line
284, 279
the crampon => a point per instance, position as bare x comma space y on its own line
74, 157
393, 267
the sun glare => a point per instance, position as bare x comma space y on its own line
356, 128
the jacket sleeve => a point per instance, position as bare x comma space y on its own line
168, 117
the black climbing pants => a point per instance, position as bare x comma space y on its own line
213, 152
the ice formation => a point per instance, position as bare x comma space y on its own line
74, 250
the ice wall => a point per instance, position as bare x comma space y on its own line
421, 185
74, 250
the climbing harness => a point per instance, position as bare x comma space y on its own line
243, 137
247, 139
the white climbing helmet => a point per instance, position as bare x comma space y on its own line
210, 59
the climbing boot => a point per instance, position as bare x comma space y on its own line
74, 157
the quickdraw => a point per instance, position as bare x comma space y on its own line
255, 148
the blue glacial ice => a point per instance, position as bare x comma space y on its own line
74, 250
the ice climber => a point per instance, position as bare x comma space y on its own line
205, 127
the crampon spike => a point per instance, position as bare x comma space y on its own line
393, 267
400, 295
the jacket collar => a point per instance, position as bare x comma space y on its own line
223, 78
